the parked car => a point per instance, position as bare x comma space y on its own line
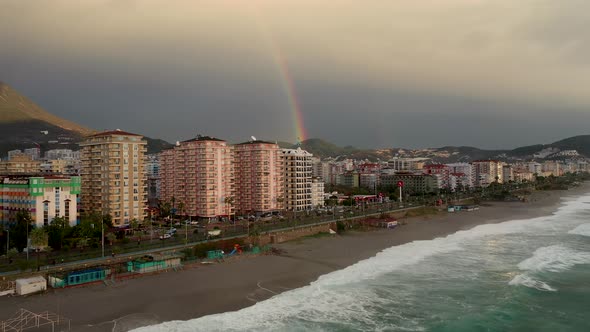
165, 236
194, 222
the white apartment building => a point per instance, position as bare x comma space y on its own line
298, 180
407, 164
463, 168
317, 192
487, 171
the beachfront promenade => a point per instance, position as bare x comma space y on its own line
184, 239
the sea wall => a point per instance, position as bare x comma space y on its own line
293, 234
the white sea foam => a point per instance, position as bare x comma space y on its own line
341, 296
583, 229
528, 281
554, 258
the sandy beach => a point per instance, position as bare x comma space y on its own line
237, 283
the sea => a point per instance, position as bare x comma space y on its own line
519, 275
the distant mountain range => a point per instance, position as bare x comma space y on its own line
23, 124
449, 154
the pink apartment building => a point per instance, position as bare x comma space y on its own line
198, 175
259, 177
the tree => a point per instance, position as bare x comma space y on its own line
107, 221
164, 208
229, 201
57, 231
111, 237
82, 243
20, 230
134, 224
39, 238
181, 208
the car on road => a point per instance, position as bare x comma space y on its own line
165, 236
194, 222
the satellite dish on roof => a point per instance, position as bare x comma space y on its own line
253, 138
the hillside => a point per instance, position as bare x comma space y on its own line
450, 154
323, 149
16, 108
579, 143
24, 124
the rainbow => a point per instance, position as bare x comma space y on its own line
289, 88
287, 82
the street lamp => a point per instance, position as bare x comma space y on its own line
27, 240
102, 234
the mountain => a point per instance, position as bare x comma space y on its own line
155, 145
324, 149
24, 124
449, 154
16, 108
580, 143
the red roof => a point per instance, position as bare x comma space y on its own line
114, 132
435, 166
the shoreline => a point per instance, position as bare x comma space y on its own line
237, 283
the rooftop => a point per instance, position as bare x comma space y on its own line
114, 132
256, 142
203, 138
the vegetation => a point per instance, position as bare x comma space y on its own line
19, 231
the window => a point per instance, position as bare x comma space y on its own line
57, 201
67, 209
46, 213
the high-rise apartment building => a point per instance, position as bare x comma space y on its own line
487, 171
113, 176
407, 164
199, 173
298, 168
152, 169
317, 192
20, 163
259, 177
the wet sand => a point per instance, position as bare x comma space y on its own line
207, 289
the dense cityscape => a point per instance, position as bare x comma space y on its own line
209, 180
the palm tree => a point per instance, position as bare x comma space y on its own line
181, 208
134, 224
111, 237
229, 202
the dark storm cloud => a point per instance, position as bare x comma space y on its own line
372, 73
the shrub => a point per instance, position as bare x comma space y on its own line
340, 226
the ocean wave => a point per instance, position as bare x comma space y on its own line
342, 298
528, 281
583, 229
555, 258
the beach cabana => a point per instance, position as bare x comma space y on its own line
154, 263
30, 285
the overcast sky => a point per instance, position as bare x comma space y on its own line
370, 73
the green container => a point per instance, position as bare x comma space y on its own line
215, 254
